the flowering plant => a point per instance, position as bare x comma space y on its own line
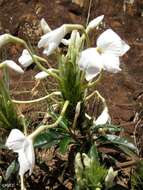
80, 67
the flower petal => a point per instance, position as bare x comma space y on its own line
15, 140
49, 50
103, 118
110, 42
54, 37
91, 62
111, 62
26, 157
11, 64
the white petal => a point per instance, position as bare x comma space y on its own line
66, 42
110, 42
95, 22
48, 51
24, 147
15, 140
41, 75
54, 37
103, 118
11, 64
25, 59
125, 48
4, 38
26, 157
44, 25
111, 62
91, 62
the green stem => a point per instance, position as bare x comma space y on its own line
42, 60
44, 127
36, 100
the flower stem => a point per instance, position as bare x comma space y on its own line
36, 100
44, 127
99, 95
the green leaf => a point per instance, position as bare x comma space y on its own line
63, 145
8, 116
93, 153
46, 139
12, 169
119, 141
108, 127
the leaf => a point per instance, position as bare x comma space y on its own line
119, 141
12, 169
93, 153
109, 127
8, 115
63, 145
48, 139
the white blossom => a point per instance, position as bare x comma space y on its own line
88, 63
95, 23
12, 65
25, 59
22, 145
103, 118
105, 56
52, 39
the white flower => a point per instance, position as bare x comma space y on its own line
51, 40
105, 56
4, 38
103, 118
25, 59
110, 177
11, 64
94, 23
44, 25
88, 63
24, 147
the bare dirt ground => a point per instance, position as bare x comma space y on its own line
124, 91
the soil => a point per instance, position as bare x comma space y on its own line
123, 91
